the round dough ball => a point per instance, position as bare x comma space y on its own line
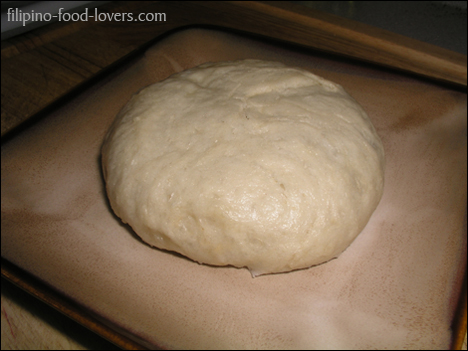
246, 163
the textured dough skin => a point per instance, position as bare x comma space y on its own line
245, 163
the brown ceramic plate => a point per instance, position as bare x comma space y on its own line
396, 286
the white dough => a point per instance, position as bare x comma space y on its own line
246, 163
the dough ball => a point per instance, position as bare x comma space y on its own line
246, 163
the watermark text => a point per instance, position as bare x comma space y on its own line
17, 15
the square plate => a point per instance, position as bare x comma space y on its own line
396, 286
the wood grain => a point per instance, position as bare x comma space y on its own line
28, 324
54, 299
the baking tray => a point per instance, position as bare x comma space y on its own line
397, 286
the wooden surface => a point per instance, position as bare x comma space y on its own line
40, 68
53, 323
29, 324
